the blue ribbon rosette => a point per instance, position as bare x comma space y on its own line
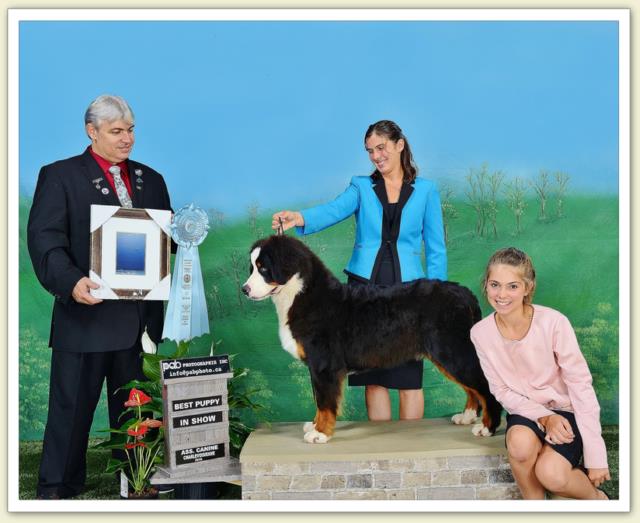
187, 316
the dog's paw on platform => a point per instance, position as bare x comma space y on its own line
465, 418
313, 436
480, 430
308, 426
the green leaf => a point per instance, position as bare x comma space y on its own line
151, 368
117, 441
114, 465
182, 350
153, 358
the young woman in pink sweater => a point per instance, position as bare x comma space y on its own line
531, 358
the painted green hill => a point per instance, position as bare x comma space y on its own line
576, 259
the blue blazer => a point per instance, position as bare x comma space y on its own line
420, 220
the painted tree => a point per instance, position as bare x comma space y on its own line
476, 193
542, 187
235, 268
599, 343
252, 212
449, 212
562, 180
216, 219
516, 191
494, 182
34, 385
215, 300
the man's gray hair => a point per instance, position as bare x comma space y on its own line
108, 108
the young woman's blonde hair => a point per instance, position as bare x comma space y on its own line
517, 259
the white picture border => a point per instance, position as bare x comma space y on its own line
153, 241
621, 16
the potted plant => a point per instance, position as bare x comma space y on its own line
150, 391
141, 437
239, 398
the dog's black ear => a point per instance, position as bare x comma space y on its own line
276, 260
285, 256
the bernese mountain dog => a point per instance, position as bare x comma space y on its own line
337, 329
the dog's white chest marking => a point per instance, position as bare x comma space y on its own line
283, 301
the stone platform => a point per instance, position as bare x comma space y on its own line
418, 459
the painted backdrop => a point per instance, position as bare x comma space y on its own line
516, 121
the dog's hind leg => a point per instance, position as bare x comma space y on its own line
491, 409
328, 392
474, 383
491, 412
470, 412
470, 409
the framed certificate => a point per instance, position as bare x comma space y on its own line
130, 253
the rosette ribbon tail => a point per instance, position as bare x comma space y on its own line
186, 315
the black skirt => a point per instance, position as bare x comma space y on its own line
406, 376
572, 452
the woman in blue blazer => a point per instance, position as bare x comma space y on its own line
395, 214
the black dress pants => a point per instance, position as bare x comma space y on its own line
74, 390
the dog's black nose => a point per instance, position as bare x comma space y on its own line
246, 289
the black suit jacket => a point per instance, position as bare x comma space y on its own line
58, 240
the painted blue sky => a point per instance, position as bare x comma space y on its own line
273, 113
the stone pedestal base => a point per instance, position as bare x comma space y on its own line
418, 459
227, 471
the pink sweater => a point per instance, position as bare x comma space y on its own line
545, 370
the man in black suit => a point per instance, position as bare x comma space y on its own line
91, 339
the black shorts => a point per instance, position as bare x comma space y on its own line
572, 452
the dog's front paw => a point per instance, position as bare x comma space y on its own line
480, 430
465, 418
308, 426
313, 436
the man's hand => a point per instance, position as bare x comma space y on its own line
81, 294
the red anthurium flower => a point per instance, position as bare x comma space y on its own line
134, 445
152, 423
137, 398
138, 430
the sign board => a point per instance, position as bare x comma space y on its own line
196, 403
196, 419
194, 367
198, 454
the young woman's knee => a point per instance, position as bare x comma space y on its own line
552, 472
522, 444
